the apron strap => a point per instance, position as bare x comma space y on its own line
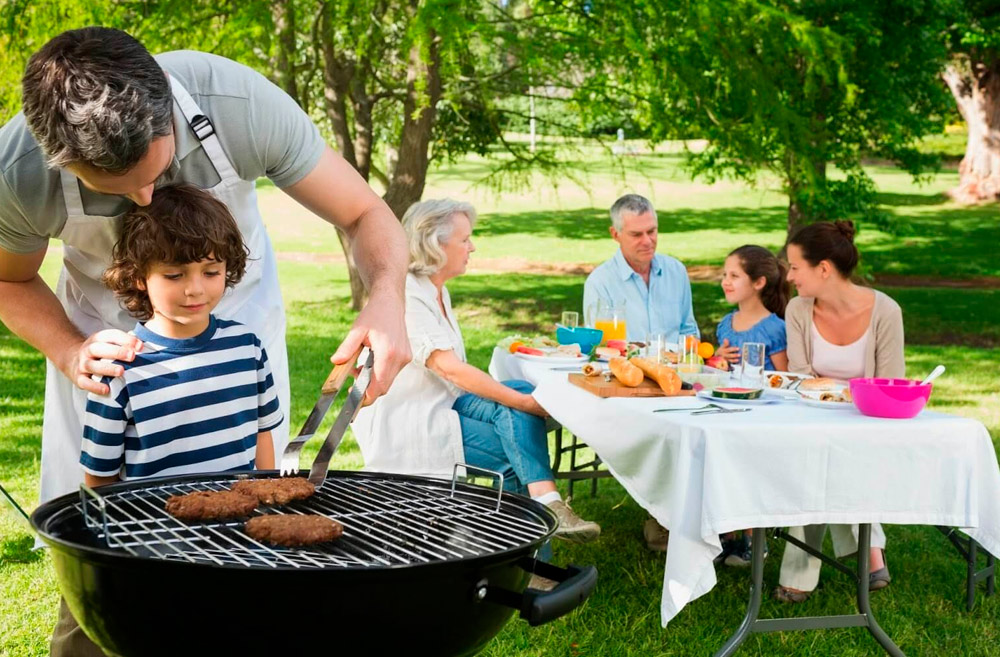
71, 193
202, 127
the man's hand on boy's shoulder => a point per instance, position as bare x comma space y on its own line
96, 355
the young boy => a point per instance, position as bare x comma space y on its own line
199, 396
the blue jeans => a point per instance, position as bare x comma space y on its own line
500, 438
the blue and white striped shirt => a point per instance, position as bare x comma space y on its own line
183, 406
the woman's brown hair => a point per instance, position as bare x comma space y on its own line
758, 262
829, 240
183, 224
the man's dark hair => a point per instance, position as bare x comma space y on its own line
95, 96
182, 225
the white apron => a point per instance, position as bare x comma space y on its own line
87, 246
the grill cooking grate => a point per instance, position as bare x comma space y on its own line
387, 522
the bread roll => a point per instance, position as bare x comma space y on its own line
626, 373
820, 384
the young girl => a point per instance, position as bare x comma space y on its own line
754, 279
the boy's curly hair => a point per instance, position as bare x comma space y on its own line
182, 225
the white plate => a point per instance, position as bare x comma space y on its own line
769, 373
552, 360
828, 405
766, 398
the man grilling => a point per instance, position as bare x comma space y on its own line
103, 124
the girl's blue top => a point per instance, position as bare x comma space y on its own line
770, 331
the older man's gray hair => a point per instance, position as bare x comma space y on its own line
95, 96
632, 204
428, 225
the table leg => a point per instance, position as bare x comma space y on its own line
756, 586
866, 618
864, 606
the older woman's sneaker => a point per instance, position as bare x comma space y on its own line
572, 527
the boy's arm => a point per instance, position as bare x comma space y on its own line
94, 482
264, 459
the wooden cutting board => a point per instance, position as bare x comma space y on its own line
598, 386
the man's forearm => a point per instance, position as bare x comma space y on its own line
33, 313
380, 251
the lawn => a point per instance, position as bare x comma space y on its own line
923, 610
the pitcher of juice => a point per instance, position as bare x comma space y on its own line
609, 318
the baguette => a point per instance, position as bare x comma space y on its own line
668, 380
626, 373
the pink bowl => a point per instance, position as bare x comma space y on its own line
895, 398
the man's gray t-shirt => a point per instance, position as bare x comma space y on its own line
261, 129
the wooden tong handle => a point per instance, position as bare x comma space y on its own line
340, 373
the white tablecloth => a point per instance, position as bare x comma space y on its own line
782, 464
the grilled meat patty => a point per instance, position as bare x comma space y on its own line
293, 530
211, 505
275, 491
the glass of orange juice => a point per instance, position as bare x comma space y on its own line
609, 318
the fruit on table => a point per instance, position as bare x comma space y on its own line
705, 350
620, 345
718, 362
738, 393
530, 351
514, 346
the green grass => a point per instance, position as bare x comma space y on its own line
923, 610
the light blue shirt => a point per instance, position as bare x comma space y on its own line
664, 306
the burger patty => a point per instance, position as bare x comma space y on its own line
293, 530
211, 505
275, 491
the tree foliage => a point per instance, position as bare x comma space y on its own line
786, 87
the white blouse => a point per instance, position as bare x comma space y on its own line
412, 429
836, 361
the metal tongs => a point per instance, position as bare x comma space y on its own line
352, 403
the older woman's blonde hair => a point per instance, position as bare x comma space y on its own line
428, 225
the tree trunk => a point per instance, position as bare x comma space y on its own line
419, 110
976, 88
283, 15
362, 104
337, 76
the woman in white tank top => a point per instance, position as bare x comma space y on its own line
840, 330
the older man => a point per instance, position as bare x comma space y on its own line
654, 287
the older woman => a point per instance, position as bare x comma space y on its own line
441, 410
839, 330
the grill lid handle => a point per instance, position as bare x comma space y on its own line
538, 607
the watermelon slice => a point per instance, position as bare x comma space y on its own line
737, 393
530, 351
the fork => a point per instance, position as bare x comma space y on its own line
722, 411
694, 408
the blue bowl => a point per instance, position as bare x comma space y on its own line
587, 338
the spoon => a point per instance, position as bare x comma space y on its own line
938, 371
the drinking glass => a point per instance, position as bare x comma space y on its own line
609, 318
656, 344
752, 371
687, 347
570, 319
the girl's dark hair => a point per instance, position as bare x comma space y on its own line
182, 225
758, 262
833, 241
